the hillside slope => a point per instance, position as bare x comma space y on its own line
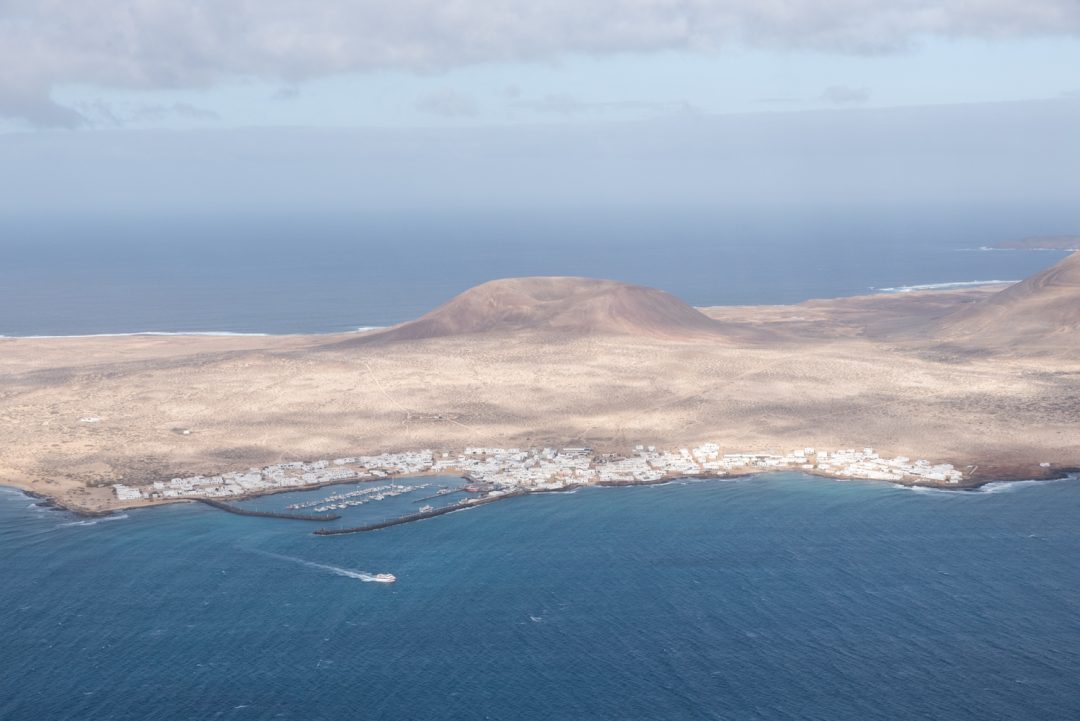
563, 305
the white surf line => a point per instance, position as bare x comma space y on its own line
210, 333
336, 570
95, 521
942, 286
142, 333
993, 487
985, 248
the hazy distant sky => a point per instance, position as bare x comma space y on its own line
540, 82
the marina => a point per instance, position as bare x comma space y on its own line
230, 508
352, 499
423, 513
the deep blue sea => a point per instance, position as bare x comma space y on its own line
275, 273
771, 597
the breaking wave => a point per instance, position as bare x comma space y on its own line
95, 521
988, 488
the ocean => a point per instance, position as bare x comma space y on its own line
299, 274
770, 597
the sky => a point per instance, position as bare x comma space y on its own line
183, 105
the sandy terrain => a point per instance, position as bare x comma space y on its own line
884, 371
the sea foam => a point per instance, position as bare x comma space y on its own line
95, 521
211, 333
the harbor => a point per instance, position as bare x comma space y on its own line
422, 514
358, 497
486, 470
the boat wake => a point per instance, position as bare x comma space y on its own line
335, 570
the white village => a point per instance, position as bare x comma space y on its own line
495, 471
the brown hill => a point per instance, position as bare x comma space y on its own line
563, 305
1042, 312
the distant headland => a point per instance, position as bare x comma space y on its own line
1042, 242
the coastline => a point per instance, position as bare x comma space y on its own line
86, 417
968, 485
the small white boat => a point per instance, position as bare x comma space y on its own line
385, 577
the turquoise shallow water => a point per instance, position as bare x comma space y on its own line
773, 597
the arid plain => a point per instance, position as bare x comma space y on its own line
987, 379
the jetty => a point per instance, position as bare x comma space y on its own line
229, 508
418, 516
443, 494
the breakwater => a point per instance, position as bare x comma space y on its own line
229, 508
621, 483
440, 495
418, 516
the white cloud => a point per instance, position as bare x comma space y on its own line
1023, 154
289, 91
99, 113
845, 95
570, 105
191, 43
185, 111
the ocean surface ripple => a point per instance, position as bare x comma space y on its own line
771, 597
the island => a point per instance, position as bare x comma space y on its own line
539, 384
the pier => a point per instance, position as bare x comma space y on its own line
229, 508
440, 495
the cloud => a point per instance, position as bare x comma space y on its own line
555, 104
844, 95
196, 43
447, 104
99, 113
1023, 154
778, 101
289, 91
570, 105
157, 113
511, 92
36, 107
